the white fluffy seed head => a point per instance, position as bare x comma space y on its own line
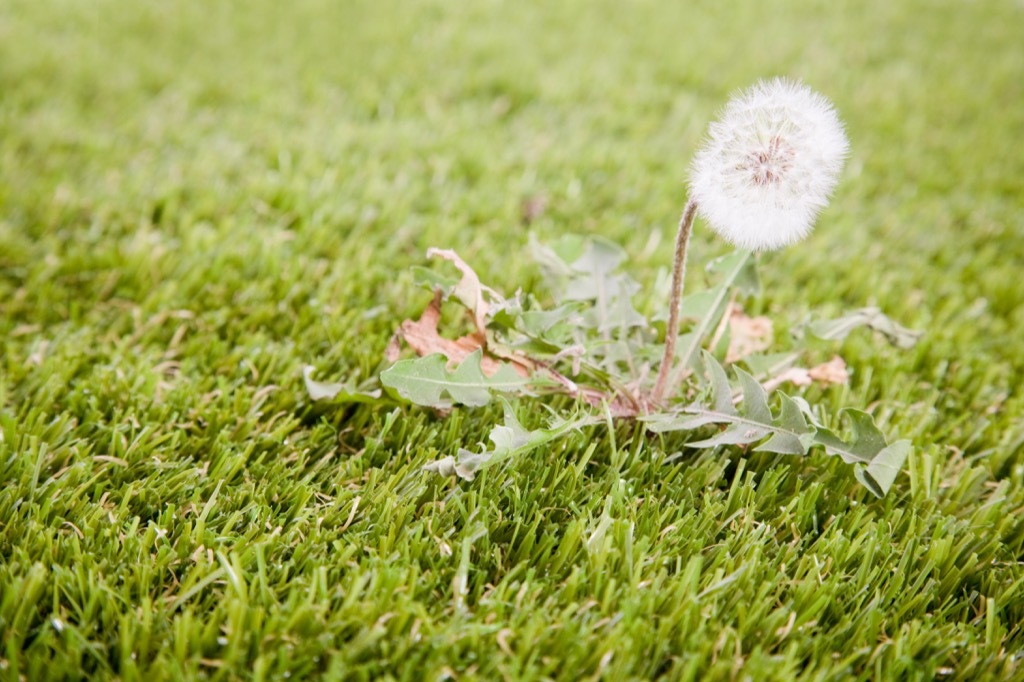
769, 165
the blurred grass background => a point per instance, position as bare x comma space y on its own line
196, 199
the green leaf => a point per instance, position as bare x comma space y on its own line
879, 475
721, 391
433, 280
740, 432
537, 323
426, 381
510, 440
867, 440
340, 393
751, 423
554, 258
755, 398
599, 256
792, 439
873, 318
768, 365
735, 267
584, 269
615, 311
877, 462
740, 270
698, 305
792, 431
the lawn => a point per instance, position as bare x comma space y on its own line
199, 198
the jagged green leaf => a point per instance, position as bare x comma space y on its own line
598, 255
755, 398
793, 438
555, 257
721, 391
879, 475
426, 381
877, 462
866, 441
787, 432
748, 425
872, 318
584, 269
509, 440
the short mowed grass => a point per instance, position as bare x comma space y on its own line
198, 198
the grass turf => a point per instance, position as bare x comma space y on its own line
198, 198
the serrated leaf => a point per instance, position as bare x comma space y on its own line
598, 285
879, 475
615, 311
866, 441
721, 391
748, 425
426, 381
342, 393
755, 399
872, 318
754, 420
569, 246
793, 440
591, 277
599, 256
509, 440
792, 431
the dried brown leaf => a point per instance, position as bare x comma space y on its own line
747, 335
828, 373
469, 290
422, 337
831, 372
798, 376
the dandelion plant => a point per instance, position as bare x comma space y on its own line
762, 176
768, 167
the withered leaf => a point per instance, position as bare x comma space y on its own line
422, 337
747, 335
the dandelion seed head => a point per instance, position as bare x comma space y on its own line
769, 165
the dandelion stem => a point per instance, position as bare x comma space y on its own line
678, 272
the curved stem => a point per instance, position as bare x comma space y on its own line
678, 273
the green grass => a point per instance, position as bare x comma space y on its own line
196, 199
